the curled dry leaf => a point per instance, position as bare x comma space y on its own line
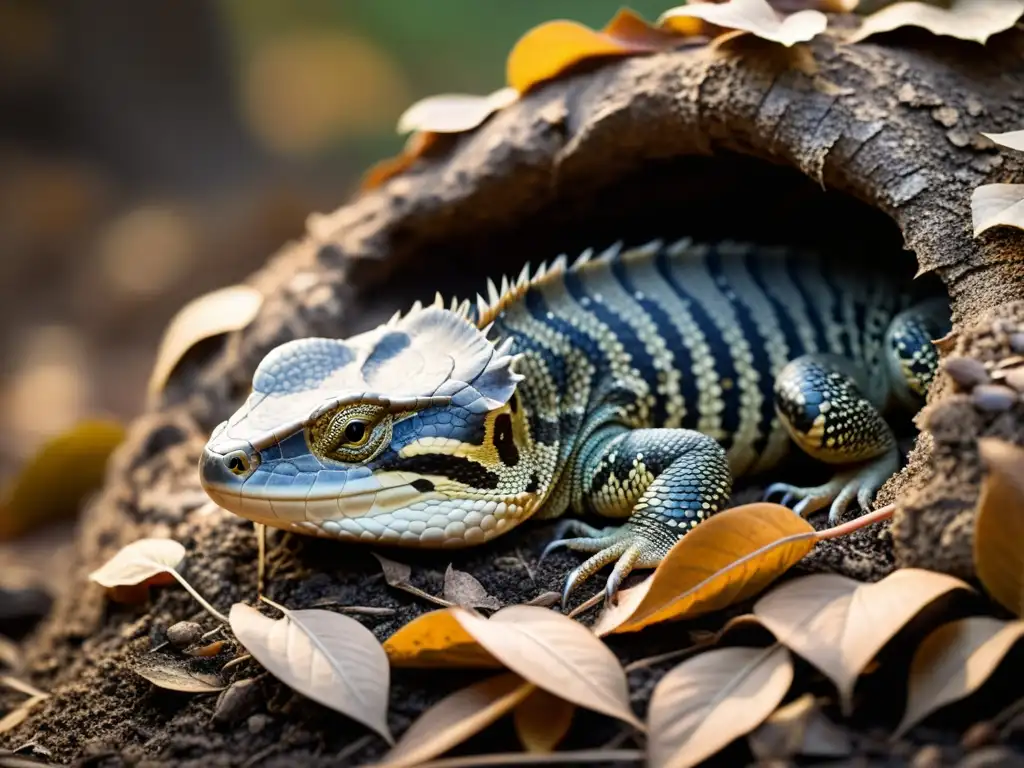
549, 49
212, 314
754, 16
707, 701
437, 639
455, 718
542, 720
330, 658
799, 728
999, 524
974, 20
175, 674
727, 558
839, 624
462, 589
997, 205
397, 575
556, 654
953, 662
454, 112
138, 562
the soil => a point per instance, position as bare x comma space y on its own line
733, 142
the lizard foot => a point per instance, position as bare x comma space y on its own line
625, 546
860, 482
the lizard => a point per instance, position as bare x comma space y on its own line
637, 384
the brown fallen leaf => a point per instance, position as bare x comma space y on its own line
999, 524
729, 557
975, 20
542, 720
545, 599
397, 575
839, 624
997, 205
1010, 140
799, 728
437, 639
455, 718
53, 483
330, 658
556, 654
462, 589
454, 112
177, 675
551, 48
954, 661
755, 17
707, 701
212, 314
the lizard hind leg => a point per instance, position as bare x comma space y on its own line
684, 478
826, 413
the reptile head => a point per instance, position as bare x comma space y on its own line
409, 433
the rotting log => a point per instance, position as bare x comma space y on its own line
738, 141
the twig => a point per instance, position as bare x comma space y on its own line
594, 600
681, 653
261, 549
854, 525
354, 747
236, 661
22, 687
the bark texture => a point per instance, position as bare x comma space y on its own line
740, 142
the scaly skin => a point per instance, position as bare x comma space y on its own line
635, 385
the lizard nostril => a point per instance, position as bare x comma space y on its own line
238, 463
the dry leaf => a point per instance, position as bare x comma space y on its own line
215, 313
799, 728
542, 720
177, 675
707, 701
454, 112
58, 477
397, 575
19, 714
1011, 140
997, 205
139, 561
999, 525
966, 19
437, 639
330, 658
839, 624
462, 589
754, 16
953, 662
729, 557
455, 718
554, 653
545, 599
550, 48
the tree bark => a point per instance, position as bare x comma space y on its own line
736, 141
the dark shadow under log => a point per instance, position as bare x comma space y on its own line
738, 142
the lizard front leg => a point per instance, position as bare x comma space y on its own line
665, 480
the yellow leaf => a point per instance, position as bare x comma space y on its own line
454, 112
966, 19
542, 720
753, 16
711, 699
555, 653
455, 718
953, 662
839, 624
999, 525
729, 557
215, 313
61, 474
437, 639
997, 205
1011, 140
549, 49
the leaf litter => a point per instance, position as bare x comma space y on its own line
460, 588
542, 719
975, 20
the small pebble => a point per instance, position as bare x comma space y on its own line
993, 397
236, 701
978, 735
927, 757
257, 723
184, 633
966, 371
1017, 342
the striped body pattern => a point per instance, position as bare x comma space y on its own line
633, 384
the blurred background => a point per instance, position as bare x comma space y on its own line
153, 151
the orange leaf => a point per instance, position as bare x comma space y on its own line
549, 49
542, 720
436, 639
416, 146
729, 557
999, 526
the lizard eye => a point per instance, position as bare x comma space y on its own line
356, 432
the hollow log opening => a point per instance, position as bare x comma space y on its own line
871, 150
